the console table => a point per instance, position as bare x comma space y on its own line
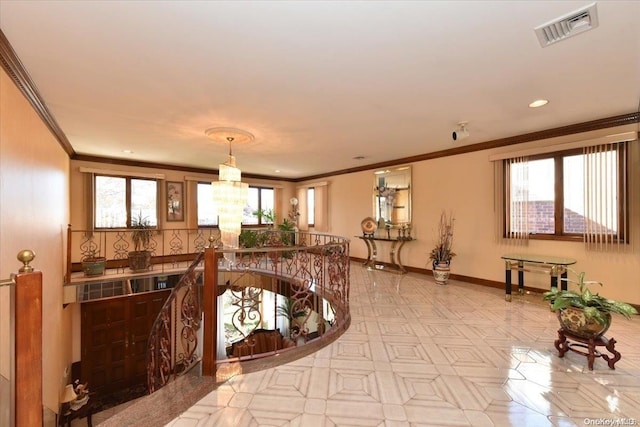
394, 253
553, 265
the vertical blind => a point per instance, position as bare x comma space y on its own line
511, 219
605, 196
610, 172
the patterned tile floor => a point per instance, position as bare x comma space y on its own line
419, 354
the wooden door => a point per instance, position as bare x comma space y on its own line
114, 340
143, 313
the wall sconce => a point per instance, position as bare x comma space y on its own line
295, 213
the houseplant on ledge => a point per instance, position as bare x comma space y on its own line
583, 313
140, 257
441, 254
93, 264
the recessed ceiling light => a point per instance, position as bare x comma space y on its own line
277, 171
538, 103
127, 151
359, 158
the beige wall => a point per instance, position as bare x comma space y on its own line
34, 212
463, 184
79, 190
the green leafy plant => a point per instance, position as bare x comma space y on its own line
442, 252
248, 238
141, 232
287, 227
593, 304
267, 216
289, 310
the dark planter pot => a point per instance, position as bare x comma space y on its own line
139, 260
94, 266
573, 321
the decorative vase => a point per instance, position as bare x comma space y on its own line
139, 260
572, 320
441, 272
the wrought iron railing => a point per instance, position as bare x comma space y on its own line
171, 251
169, 248
173, 338
293, 286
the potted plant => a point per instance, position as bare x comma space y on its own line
140, 257
93, 264
266, 216
295, 313
583, 313
284, 237
441, 254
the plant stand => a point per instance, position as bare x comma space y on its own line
588, 344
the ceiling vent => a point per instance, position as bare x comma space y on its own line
568, 25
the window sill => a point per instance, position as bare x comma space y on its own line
555, 237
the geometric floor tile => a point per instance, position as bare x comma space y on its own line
420, 354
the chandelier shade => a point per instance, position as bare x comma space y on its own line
230, 194
230, 197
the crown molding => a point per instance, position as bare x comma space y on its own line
14, 68
11, 64
609, 122
136, 163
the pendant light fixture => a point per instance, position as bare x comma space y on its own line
230, 194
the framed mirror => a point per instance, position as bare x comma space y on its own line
392, 196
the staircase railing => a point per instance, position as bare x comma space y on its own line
173, 339
294, 285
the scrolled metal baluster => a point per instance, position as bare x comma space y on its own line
160, 366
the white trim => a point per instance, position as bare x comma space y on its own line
122, 173
609, 139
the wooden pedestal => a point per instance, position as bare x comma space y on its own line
579, 345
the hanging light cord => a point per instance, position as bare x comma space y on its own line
230, 139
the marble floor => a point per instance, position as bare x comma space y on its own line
419, 354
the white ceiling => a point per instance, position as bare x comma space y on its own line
318, 83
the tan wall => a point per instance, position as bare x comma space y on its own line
79, 190
34, 212
463, 184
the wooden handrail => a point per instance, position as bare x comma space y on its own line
209, 308
28, 344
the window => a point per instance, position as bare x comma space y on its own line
118, 200
311, 203
568, 194
206, 205
259, 198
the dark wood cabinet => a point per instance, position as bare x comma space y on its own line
114, 340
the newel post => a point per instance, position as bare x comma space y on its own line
209, 308
28, 343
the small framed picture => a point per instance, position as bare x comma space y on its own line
175, 201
